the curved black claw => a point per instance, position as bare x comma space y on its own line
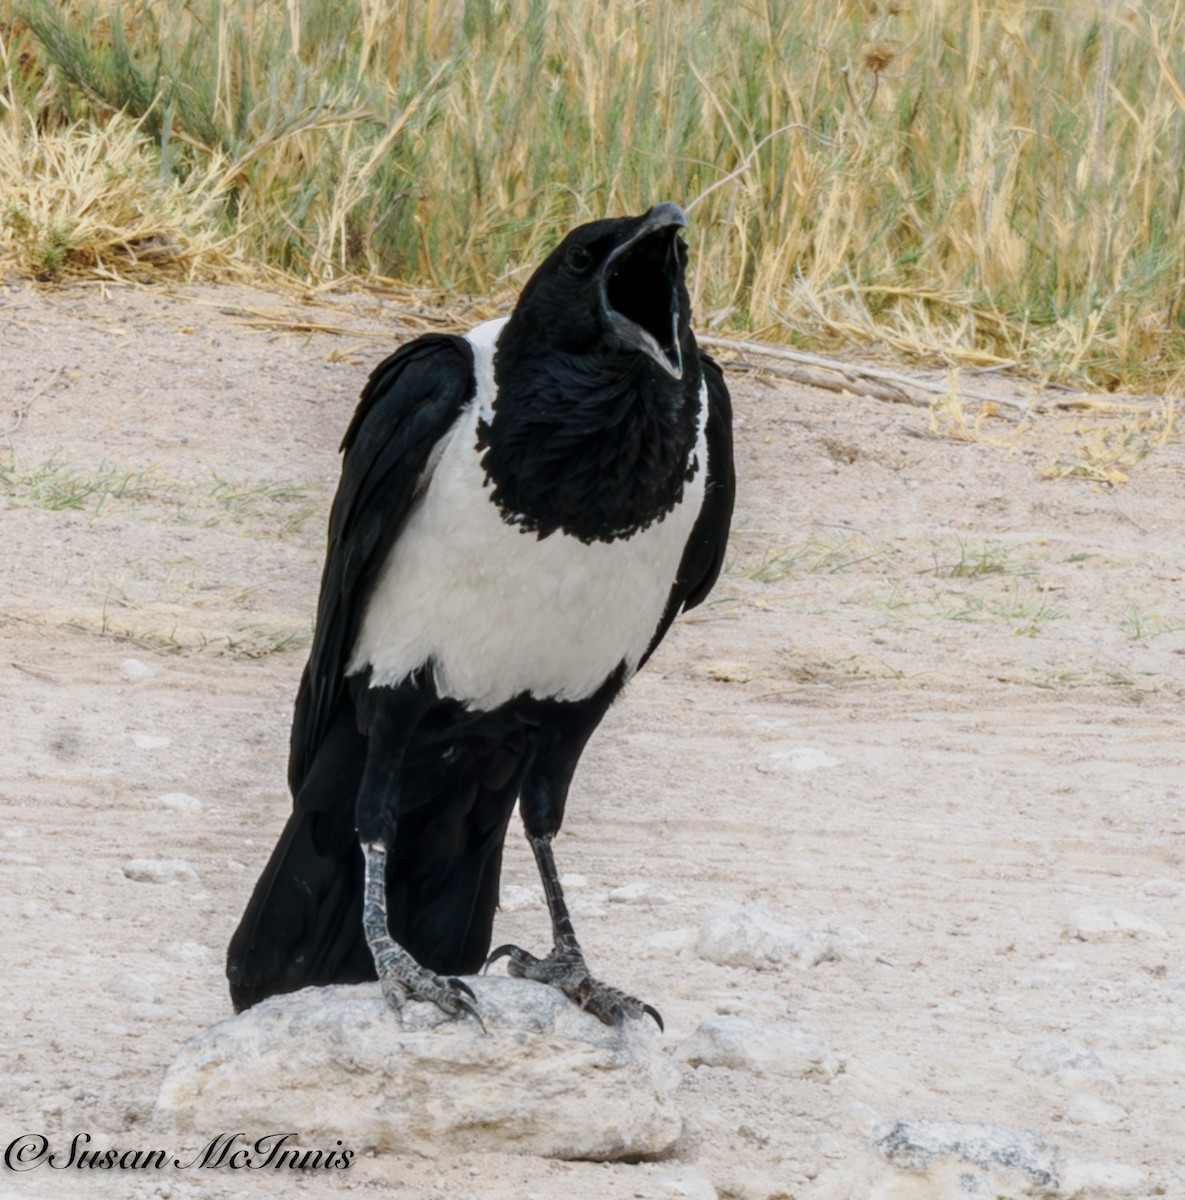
401, 982
462, 986
565, 969
465, 1006
501, 952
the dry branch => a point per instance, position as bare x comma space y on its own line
859, 377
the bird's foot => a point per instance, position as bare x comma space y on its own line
402, 978
565, 969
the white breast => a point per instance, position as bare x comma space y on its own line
498, 611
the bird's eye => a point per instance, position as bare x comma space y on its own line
579, 259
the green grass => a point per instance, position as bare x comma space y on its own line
250, 506
818, 555
978, 181
1139, 626
250, 642
975, 560
59, 485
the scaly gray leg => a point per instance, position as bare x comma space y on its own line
564, 967
399, 974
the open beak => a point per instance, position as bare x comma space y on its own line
640, 283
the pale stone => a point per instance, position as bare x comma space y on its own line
753, 937
1084, 1109
669, 941
149, 741
158, 870
1100, 1179
1070, 1064
1100, 923
179, 802
801, 758
516, 898
1166, 888
775, 1048
956, 1160
547, 1078
645, 891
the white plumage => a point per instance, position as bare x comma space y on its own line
495, 609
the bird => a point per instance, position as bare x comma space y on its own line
522, 513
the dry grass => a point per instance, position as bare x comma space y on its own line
982, 182
90, 200
1107, 446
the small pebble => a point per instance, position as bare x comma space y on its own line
753, 937
179, 801
1070, 1064
1084, 1109
775, 1048
645, 891
149, 741
515, 898
1166, 888
800, 758
670, 941
1101, 923
130, 986
158, 870
1099, 1179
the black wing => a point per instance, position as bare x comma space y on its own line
410, 402
703, 555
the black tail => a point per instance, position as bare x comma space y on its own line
303, 924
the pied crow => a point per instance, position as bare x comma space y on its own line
522, 513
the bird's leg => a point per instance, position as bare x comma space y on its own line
564, 967
390, 719
399, 974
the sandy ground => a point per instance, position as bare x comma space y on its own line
935, 707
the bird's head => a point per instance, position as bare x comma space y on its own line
616, 285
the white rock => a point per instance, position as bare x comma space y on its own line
669, 941
1166, 888
193, 953
131, 987
680, 1183
1099, 1179
856, 1120
801, 758
774, 1048
547, 1079
1100, 923
515, 898
133, 668
753, 937
572, 882
953, 1160
149, 741
964, 1159
1084, 1109
150, 1010
644, 891
159, 870
1117, 1037
179, 802
1069, 1064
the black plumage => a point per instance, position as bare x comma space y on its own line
597, 439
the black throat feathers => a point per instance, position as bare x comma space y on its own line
597, 446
